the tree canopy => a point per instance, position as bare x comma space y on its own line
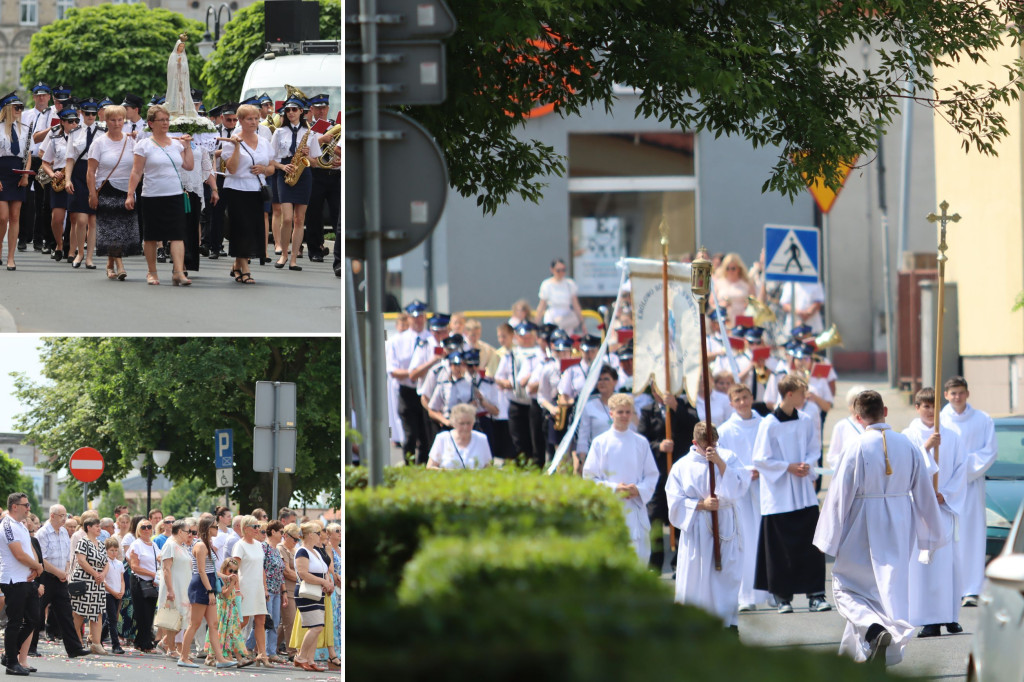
110, 50
774, 72
242, 42
125, 395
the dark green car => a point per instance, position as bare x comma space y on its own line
1004, 482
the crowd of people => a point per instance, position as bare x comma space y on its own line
460, 403
82, 178
231, 591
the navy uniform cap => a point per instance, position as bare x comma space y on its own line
547, 329
416, 308
559, 334
89, 106
562, 343
438, 322
197, 95
40, 87
719, 313
61, 93
754, 334
453, 341
131, 100
590, 341
229, 109
455, 358
801, 330
525, 327
106, 102
319, 100
739, 331
626, 351
265, 98
215, 112
254, 100
472, 357
10, 98
202, 109
68, 112
157, 99
296, 101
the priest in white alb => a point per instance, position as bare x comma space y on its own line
935, 587
879, 504
737, 435
621, 459
977, 434
690, 504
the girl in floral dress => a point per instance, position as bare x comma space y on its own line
229, 622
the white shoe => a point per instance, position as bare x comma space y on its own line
969, 600
748, 607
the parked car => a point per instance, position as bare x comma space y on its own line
996, 651
1004, 482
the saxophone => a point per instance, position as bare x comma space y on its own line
299, 161
327, 151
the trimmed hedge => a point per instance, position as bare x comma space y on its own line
358, 478
385, 528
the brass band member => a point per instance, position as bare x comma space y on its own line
14, 150
290, 143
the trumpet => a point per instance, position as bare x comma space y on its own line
828, 338
762, 374
330, 148
562, 419
762, 313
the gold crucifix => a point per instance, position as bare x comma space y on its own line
943, 219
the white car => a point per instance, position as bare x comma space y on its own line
996, 652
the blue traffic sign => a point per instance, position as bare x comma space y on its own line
791, 253
224, 448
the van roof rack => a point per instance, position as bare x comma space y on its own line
305, 47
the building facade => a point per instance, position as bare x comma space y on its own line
33, 464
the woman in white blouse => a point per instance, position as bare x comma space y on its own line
248, 163
559, 303
286, 142
110, 169
162, 159
462, 447
53, 151
13, 147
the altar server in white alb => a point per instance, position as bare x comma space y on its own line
689, 509
977, 435
879, 503
845, 430
737, 435
621, 459
935, 587
787, 446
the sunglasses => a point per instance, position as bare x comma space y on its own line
71, 120
19, 107
292, 109
146, 527
193, 532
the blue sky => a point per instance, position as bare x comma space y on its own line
18, 353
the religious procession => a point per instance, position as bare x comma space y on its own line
85, 177
703, 410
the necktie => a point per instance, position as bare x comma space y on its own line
15, 144
295, 139
88, 140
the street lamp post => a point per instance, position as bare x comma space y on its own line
161, 458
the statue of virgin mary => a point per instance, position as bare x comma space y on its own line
179, 91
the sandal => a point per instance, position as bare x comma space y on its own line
245, 278
180, 279
122, 276
234, 273
111, 273
334, 663
151, 278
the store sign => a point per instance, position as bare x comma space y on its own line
598, 244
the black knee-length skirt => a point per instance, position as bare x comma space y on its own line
79, 201
57, 199
295, 194
165, 218
244, 222
10, 179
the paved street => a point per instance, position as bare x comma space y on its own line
48, 297
54, 665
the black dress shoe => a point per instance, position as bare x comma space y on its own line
57, 255
79, 652
22, 247
37, 247
222, 253
295, 267
279, 266
30, 668
954, 628
930, 631
47, 250
316, 259
119, 651
204, 250
17, 669
214, 256
161, 257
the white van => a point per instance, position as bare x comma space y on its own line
315, 68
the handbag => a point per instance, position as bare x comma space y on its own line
310, 591
168, 618
148, 589
218, 584
78, 588
268, 623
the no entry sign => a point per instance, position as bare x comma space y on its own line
86, 464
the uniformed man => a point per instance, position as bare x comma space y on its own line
513, 374
213, 239
457, 389
547, 393
486, 396
437, 375
409, 409
35, 212
426, 357
266, 106
101, 115
326, 192
571, 383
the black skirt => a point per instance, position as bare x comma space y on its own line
192, 233
10, 179
787, 561
117, 228
298, 193
165, 218
244, 223
79, 201
57, 199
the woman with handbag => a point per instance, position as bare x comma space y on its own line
176, 567
253, 585
201, 590
86, 583
309, 597
117, 229
142, 559
164, 201
245, 190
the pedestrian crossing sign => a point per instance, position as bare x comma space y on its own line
791, 253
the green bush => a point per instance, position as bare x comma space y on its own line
468, 570
358, 478
384, 528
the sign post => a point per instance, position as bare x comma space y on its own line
274, 434
224, 461
86, 465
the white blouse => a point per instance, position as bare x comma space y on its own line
78, 138
146, 554
161, 177
106, 152
448, 455
243, 179
53, 150
282, 142
21, 131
